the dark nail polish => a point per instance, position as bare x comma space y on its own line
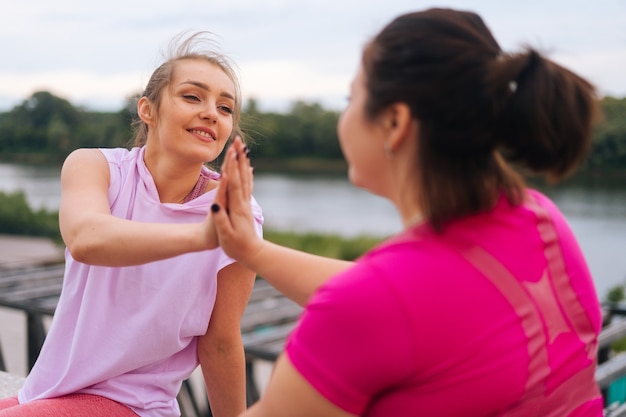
215, 207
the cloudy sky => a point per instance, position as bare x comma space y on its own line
97, 53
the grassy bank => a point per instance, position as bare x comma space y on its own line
18, 218
329, 245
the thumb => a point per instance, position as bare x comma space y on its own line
220, 205
221, 224
219, 210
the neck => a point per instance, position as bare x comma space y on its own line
412, 220
173, 181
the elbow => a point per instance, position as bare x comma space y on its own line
78, 252
81, 237
217, 349
82, 250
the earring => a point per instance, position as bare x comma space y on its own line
388, 151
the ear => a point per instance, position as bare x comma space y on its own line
398, 124
144, 110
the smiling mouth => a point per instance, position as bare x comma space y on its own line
202, 133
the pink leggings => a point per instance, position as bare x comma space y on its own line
73, 405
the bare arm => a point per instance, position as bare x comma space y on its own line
289, 394
220, 350
294, 273
94, 236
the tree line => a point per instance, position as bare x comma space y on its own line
44, 128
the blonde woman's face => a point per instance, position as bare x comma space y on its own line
195, 116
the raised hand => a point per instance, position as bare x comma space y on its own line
231, 213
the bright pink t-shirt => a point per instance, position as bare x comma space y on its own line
130, 333
498, 316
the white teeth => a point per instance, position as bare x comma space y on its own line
201, 133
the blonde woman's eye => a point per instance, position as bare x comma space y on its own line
191, 97
226, 109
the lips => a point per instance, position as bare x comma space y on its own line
205, 133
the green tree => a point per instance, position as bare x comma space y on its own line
17, 218
45, 128
59, 134
307, 130
609, 145
615, 294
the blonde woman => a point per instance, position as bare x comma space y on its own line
147, 296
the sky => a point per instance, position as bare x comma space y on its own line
96, 54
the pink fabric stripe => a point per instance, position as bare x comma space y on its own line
569, 396
199, 188
572, 393
510, 288
558, 306
572, 309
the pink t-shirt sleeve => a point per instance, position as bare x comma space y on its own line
353, 340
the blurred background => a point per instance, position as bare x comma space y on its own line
70, 72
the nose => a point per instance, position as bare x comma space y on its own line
209, 112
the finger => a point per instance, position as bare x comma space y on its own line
221, 196
244, 171
210, 232
251, 176
222, 190
226, 186
220, 222
238, 196
234, 174
247, 179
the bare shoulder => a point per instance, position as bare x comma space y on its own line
84, 162
84, 155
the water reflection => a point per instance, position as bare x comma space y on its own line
596, 210
590, 197
41, 184
330, 205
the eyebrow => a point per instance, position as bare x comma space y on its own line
206, 87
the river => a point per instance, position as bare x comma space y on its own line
595, 211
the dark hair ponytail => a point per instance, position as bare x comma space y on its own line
476, 108
544, 113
